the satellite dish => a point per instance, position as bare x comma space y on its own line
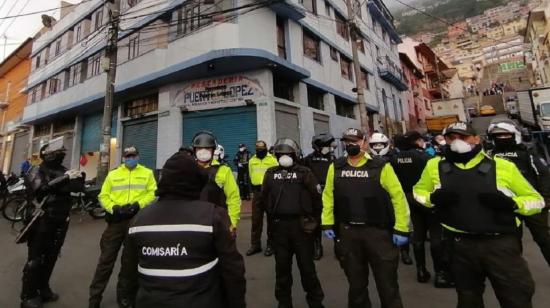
47, 20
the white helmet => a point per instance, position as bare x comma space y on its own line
219, 152
504, 127
379, 144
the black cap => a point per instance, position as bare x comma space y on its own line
242, 145
412, 136
182, 176
353, 134
460, 128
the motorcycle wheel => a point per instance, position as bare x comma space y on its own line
14, 209
97, 212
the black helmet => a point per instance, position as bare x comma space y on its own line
204, 139
286, 146
322, 140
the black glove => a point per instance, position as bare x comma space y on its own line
129, 210
497, 201
443, 197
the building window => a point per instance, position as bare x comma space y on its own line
55, 85
33, 95
345, 68
365, 79
283, 88
43, 90
142, 105
57, 48
132, 3
78, 31
312, 46
327, 8
357, 8
341, 26
344, 108
37, 62
133, 47
334, 53
361, 46
310, 5
281, 41
98, 19
42, 130
94, 65
315, 98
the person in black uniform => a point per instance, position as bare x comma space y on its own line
507, 141
408, 165
243, 178
290, 192
47, 234
319, 161
187, 254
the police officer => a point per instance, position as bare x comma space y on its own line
477, 199
439, 144
380, 146
257, 166
47, 233
365, 197
221, 189
243, 177
319, 161
187, 254
126, 190
408, 165
508, 144
290, 192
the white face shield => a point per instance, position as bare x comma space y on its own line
55, 144
509, 128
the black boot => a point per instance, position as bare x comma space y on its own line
442, 280
317, 249
268, 251
47, 295
422, 274
253, 250
405, 255
34, 302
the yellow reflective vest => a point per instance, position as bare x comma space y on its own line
124, 186
257, 168
226, 181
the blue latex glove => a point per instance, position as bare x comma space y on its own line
400, 240
330, 234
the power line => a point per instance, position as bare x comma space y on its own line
9, 11
2, 5
43, 11
13, 20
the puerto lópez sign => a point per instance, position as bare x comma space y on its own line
218, 92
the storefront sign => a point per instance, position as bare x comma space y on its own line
218, 92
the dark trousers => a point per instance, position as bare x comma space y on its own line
538, 226
360, 247
44, 243
243, 179
425, 221
497, 258
288, 240
258, 211
111, 241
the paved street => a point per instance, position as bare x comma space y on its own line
78, 259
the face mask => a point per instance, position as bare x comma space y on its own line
504, 143
286, 161
442, 142
261, 153
462, 158
325, 150
204, 155
460, 146
241, 149
130, 163
353, 149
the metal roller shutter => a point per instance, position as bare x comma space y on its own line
231, 126
321, 123
287, 122
142, 134
19, 152
68, 143
91, 131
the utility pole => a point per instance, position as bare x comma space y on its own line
357, 69
111, 56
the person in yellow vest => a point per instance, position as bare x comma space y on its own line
126, 190
257, 166
221, 188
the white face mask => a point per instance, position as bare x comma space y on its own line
460, 146
204, 155
442, 142
285, 161
325, 150
241, 149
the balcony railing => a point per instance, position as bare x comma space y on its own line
290, 9
392, 73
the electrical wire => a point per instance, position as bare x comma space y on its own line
43, 11
13, 20
9, 11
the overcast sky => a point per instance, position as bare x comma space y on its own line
21, 28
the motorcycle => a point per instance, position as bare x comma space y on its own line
87, 202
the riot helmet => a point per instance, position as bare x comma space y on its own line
54, 151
